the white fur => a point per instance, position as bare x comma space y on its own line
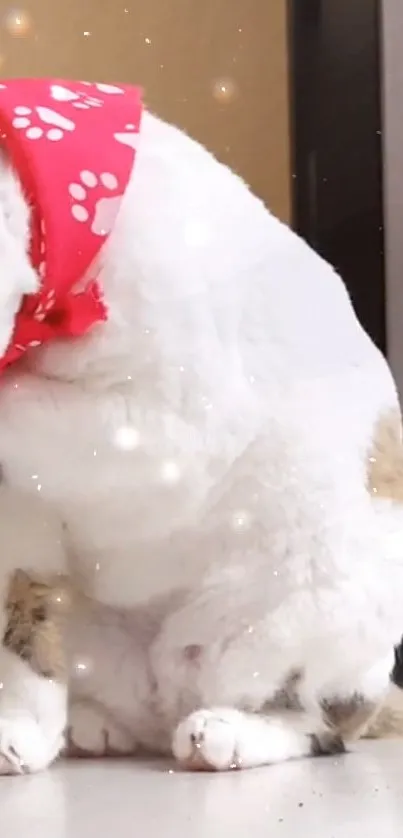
32, 709
206, 450
32, 717
223, 739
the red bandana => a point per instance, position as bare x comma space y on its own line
72, 145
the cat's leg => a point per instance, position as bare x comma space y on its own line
32, 717
220, 739
223, 738
33, 690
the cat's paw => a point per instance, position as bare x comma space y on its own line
209, 740
92, 733
24, 747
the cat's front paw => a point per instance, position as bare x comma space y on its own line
207, 740
24, 748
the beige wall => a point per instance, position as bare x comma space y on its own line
216, 67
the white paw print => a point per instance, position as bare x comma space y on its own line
45, 306
129, 138
103, 214
78, 100
53, 125
85, 104
111, 89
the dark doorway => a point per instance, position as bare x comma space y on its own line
337, 180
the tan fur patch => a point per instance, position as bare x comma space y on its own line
385, 459
350, 718
35, 614
389, 721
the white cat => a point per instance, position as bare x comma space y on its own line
218, 468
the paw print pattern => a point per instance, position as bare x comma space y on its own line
78, 100
128, 137
50, 125
111, 89
99, 213
70, 136
45, 306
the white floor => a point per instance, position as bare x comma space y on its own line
357, 795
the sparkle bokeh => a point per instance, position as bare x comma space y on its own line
224, 90
17, 22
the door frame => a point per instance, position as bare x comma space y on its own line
392, 36
336, 119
